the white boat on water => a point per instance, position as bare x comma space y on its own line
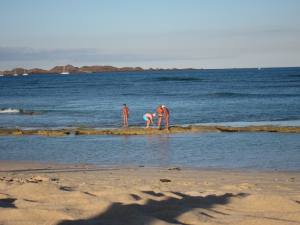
25, 73
1, 75
15, 73
64, 72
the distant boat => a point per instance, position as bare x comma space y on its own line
64, 72
25, 73
1, 75
15, 73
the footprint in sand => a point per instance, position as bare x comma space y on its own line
66, 188
240, 187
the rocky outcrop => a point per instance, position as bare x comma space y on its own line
67, 68
128, 69
84, 69
148, 131
37, 71
71, 69
99, 69
20, 71
15, 71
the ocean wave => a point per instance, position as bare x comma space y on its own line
9, 110
17, 111
177, 79
235, 94
227, 94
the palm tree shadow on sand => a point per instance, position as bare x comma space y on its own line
161, 211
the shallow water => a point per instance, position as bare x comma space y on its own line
259, 151
231, 97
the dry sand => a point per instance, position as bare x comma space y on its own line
45, 194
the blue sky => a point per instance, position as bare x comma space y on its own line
156, 33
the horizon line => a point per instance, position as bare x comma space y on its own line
151, 68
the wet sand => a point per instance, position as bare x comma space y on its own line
147, 131
34, 193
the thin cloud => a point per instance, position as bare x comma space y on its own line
84, 55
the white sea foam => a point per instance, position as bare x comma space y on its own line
9, 110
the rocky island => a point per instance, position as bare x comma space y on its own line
71, 69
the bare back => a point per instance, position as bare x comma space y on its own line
160, 111
166, 112
125, 111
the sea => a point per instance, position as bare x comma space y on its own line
232, 97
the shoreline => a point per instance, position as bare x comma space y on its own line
18, 165
64, 194
147, 131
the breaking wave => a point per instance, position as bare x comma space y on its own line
17, 111
178, 79
9, 110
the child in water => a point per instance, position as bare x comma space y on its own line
125, 114
148, 117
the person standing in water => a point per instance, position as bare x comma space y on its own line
166, 114
125, 115
160, 112
148, 117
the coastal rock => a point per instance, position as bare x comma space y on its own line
51, 132
95, 69
71, 69
37, 71
17, 132
20, 71
149, 131
68, 68
14, 71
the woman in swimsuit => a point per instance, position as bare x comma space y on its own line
148, 117
160, 113
125, 114
166, 116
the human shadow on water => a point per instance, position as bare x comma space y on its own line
161, 211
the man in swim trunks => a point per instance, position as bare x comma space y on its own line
166, 116
148, 117
160, 113
125, 114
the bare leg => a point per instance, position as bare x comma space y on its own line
167, 122
159, 122
147, 123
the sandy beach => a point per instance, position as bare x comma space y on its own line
34, 193
149, 112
